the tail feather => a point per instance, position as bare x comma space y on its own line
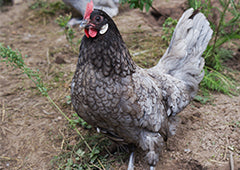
183, 59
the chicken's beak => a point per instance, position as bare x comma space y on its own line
83, 24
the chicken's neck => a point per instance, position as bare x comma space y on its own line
109, 56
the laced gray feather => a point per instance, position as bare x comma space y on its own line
183, 58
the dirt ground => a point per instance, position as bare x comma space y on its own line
32, 131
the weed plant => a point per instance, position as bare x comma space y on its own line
62, 21
13, 58
168, 29
225, 30
141, 4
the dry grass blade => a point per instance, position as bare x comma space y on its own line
3, 111
231, 161
8, 158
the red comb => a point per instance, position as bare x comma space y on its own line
89, 10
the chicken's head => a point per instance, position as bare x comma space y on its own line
96, 22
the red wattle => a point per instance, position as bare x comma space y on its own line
86, 32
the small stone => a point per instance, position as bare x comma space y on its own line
60, 60
187, 150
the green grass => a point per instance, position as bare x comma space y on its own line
45, 8
44, 11
141, 4
168, 29
77, 156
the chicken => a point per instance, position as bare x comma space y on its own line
134, 105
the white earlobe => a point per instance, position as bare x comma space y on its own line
104, 29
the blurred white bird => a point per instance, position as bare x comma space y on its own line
108, 6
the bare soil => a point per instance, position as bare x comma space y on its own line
32, 132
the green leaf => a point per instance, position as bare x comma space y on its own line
202, 99
147, 7
80, 152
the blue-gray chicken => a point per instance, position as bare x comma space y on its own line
134, 105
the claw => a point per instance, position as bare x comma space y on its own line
131, 162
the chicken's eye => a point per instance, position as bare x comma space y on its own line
98, 18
